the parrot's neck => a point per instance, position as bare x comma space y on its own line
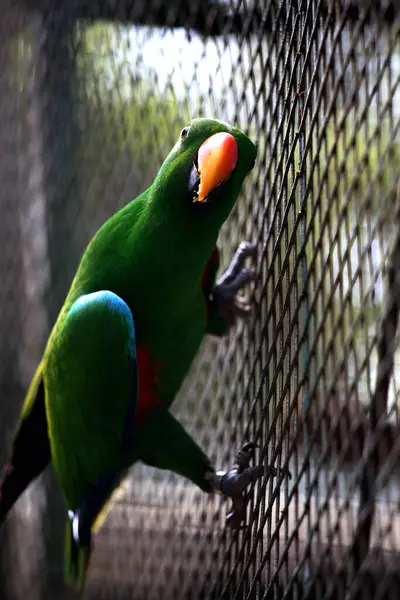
180, 251
179, 237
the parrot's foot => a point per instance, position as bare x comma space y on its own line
225, 299
234, 482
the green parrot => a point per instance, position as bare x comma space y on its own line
143, 297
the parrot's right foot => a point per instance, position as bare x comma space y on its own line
233, 483
235, 278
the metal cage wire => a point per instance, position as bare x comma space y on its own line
92, 96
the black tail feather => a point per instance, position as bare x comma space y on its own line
30, 454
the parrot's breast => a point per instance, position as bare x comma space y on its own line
166, 347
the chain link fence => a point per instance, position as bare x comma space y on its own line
92, 97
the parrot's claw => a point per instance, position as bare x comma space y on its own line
236, 277
233, 483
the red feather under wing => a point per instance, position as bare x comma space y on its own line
147, 383
210, 265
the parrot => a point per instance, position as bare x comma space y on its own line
144, 296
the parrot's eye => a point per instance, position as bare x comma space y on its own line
252, 165
184, 133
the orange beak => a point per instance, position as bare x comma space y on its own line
216, 159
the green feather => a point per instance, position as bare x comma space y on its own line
76, 560
89, 380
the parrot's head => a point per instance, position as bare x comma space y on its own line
204, 172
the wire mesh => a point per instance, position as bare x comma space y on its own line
93, 95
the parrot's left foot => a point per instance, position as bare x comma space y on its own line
235, 278
233, 483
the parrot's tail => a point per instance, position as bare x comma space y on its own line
30, 453
77, 558
81, 521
